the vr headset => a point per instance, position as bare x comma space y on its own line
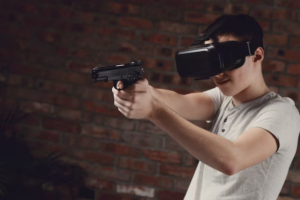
202, 61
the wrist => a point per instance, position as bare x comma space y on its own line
156, 104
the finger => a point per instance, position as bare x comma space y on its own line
124, 95
126, 106
124, 113
120, 85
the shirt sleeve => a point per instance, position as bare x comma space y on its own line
217, 97
282, 120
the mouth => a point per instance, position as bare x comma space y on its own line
222, 82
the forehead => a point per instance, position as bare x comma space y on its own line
222, 39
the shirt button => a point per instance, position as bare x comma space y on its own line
223, 130
225, 120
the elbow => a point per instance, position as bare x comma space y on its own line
230, 167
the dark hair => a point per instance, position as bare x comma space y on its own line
241, 26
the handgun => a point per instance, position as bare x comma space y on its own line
128, 73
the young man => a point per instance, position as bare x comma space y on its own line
248, 151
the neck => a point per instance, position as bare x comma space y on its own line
250, 93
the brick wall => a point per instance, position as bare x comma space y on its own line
47, 51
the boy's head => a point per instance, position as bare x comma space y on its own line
241, 28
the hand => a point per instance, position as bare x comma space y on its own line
136, 101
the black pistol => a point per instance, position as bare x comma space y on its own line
128, 73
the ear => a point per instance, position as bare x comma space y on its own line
258, 55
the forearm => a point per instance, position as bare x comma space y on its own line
172, 99
207, 147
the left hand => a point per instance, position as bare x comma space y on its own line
136, 101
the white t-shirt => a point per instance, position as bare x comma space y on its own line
263, 181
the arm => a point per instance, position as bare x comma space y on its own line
193, 106
229, 157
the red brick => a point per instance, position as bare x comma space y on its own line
199, 17
151, 180
274, 14
62, 100
286, 27
135, 22
288, 4
135, 164
160, 64
135, 190
101, 108
276, 40
61, 125
81, 67
112, 196
166, 52
62, 13
285, 54
99, 184
177, 171
295, 95
142, 140
76, 115
49, 136
282, 80
182, 184
194, 5
158, 38
187, 41
171, 144
170, 79
285, 189
149, 127
95, 94
100, 132
37, 107
137, 49
265, 25
257, 2
177, 27
296, 191
86, 166
273, 66
228, 8
170, 195
110, 172
50, 37
118, 123
43, 146
80, 141
121, 149
116, 33
189, 160
52, 86
31, 119
163, 156
294, 41
120, 8
92, 156
163, 12
294, 69
24, 93
25, 132
118, 59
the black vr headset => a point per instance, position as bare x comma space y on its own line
202, 61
